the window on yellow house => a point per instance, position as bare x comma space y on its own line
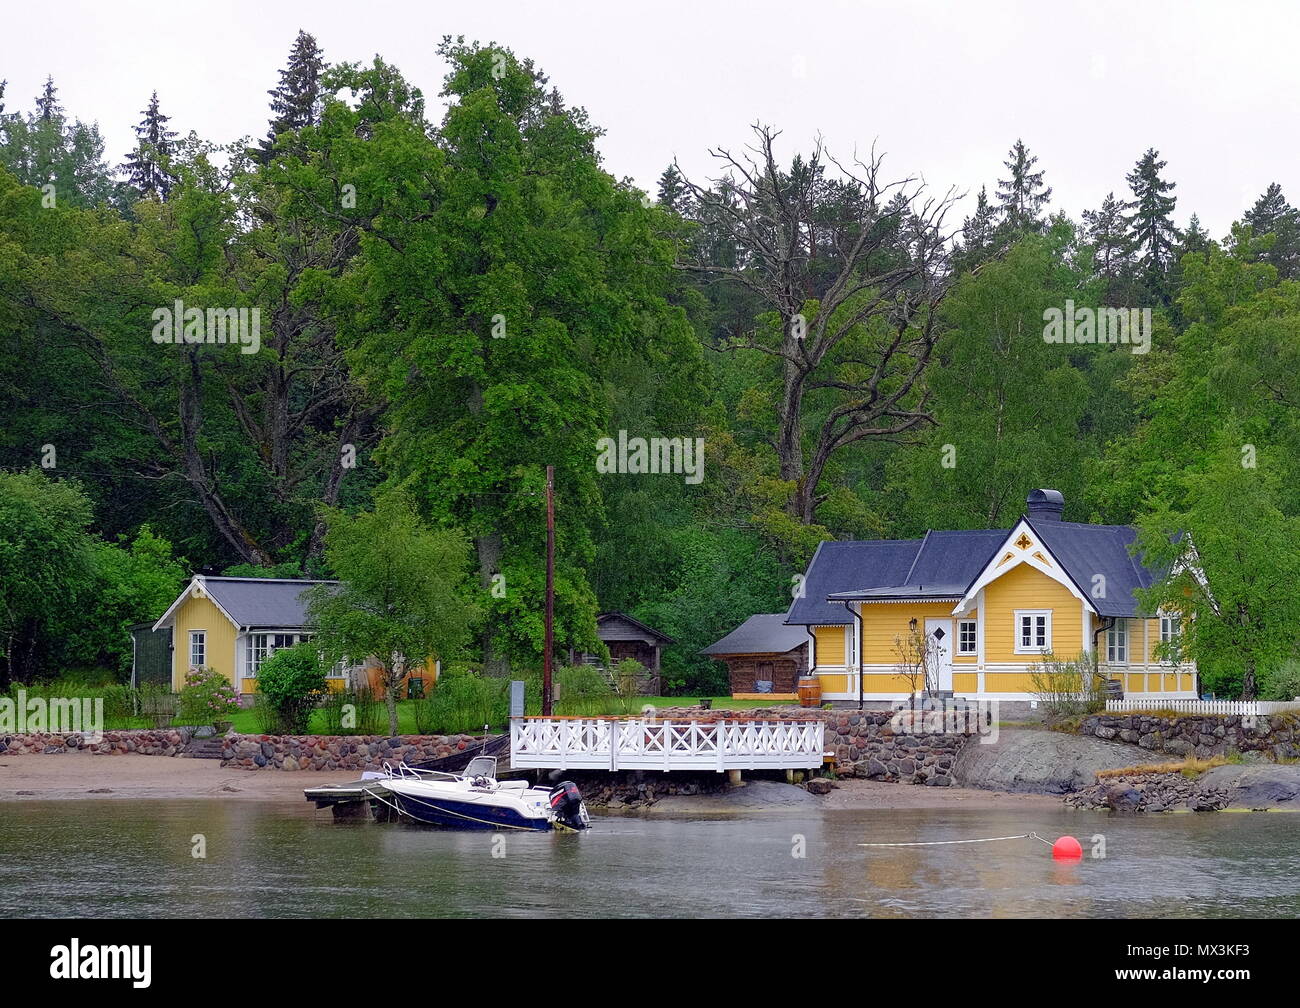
1171, 632
264, 644
1033, 631
198, 649
966, 637
1171, 628
1117, 642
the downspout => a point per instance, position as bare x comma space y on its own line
1106, 623
857, 619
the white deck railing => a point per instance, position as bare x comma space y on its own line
654, 744
1240, 707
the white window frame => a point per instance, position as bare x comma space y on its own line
255, 653
1117, 650
850, 647
1033, 649
1171, 635
974, 637
1171, 627
199, 637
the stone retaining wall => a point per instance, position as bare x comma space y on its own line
164, 742
1276, 736
865, 743
254, 752
337, 752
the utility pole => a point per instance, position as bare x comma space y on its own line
549, 646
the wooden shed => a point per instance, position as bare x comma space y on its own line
627, 637
764, 656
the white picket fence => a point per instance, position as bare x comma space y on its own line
653, 744
1239, 707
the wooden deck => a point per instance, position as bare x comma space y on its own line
666, 744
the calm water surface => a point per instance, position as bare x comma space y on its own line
119, 858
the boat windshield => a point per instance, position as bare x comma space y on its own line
482, 766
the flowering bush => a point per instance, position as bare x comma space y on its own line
207, 698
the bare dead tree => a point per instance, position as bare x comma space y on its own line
862, 341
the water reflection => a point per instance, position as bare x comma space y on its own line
112, 858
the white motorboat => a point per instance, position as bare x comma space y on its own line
475, 799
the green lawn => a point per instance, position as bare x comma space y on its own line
246, 721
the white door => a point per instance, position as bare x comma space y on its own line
939, 635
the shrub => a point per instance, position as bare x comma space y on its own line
292, 682
356, 712
581, 691
264, 716
1068, 690
463, 701
1283, 684
207, 698
627, 674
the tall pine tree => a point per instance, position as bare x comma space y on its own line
979, 238
673, 192
48, 108
1150, 225
296, 100
146, 166
1273, 215
1107, 232
1022, 197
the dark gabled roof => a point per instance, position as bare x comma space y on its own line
766, 633
944, 564
847, 566
603, 617
1088, 550
262, 602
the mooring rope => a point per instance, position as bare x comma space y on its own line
942, 843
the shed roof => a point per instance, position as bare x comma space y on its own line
766, 633
606, 621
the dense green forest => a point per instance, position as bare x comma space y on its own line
447, 307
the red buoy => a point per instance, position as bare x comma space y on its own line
1067, 849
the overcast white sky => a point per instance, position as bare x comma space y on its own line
943, 87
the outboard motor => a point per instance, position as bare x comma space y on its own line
567, 805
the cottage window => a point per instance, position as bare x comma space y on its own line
1170, 629
1033, 631
966, 637
198, 649
1171, 633
1117, 643
261, 645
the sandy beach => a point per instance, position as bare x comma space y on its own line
81, 775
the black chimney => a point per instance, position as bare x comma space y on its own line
1044, 505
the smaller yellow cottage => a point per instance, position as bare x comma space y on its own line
231, 624
990, 604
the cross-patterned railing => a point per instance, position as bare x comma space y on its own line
654, 744
1241, 707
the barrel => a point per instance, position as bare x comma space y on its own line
810, 692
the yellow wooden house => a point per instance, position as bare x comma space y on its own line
232, 624
990, 604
